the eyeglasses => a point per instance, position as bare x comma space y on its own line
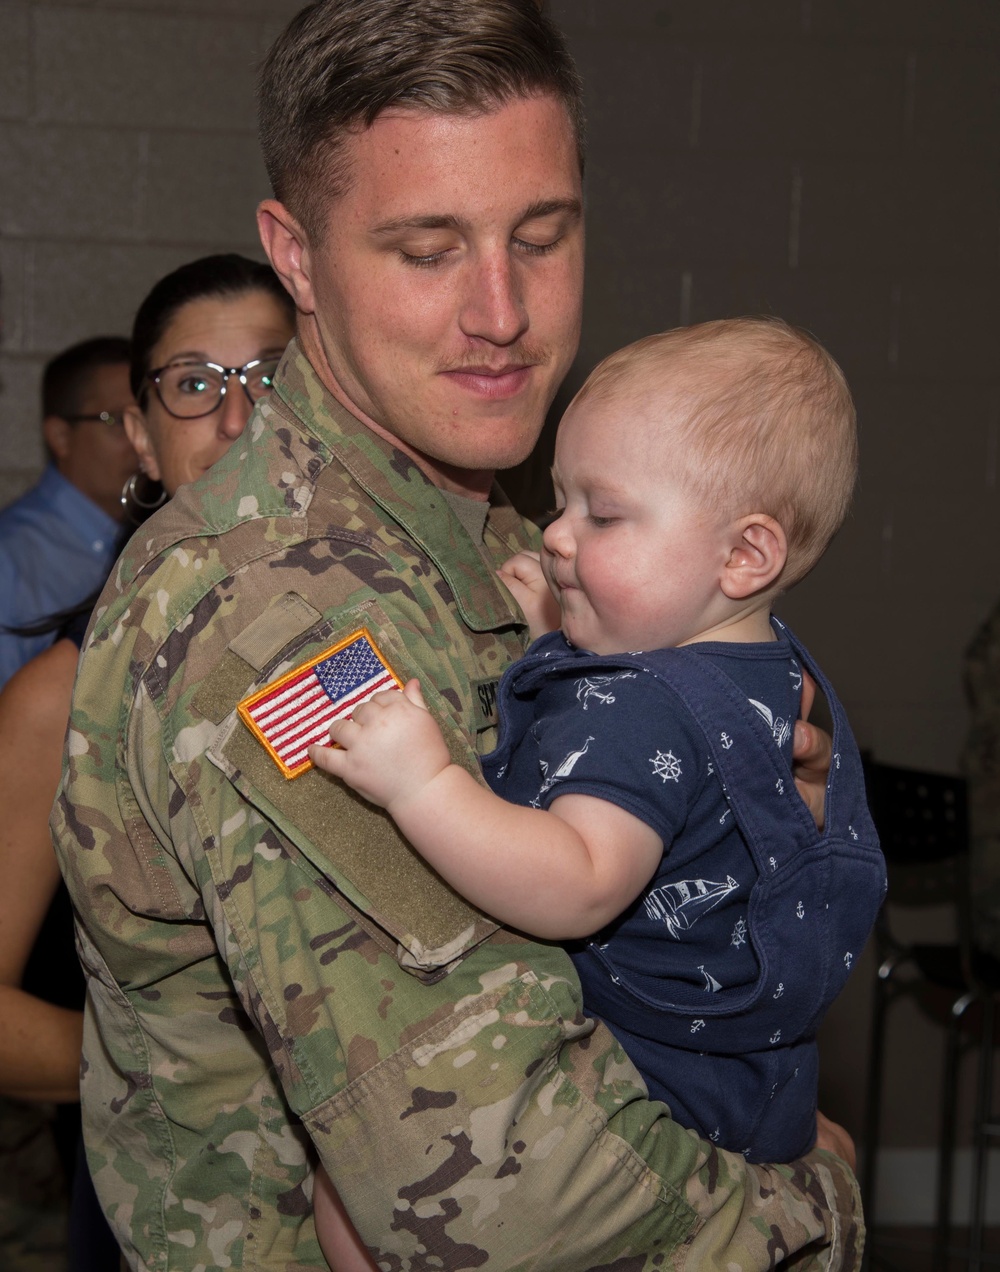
190, 390
110, 418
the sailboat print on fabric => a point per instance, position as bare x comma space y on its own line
564, 770
781, 730
712, 986
680, 905
599, 687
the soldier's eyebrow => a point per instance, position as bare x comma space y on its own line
573, 208
420, 223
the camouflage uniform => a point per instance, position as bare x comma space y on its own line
981, 764
273, 973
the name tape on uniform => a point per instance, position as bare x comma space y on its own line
295, 711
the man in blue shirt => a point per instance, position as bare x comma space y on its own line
59, 541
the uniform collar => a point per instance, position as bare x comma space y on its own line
407, 497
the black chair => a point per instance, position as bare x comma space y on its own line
924, 829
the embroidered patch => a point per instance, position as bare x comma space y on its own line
295, 711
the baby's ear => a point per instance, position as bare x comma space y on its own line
756, 558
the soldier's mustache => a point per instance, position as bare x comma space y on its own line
512, 358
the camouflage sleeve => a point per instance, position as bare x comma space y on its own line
981, 764
469, 1117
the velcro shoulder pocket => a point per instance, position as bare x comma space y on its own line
355, 845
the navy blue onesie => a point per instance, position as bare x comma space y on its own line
717, 976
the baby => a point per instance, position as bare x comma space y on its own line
642, 807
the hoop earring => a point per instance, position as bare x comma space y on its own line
141, 504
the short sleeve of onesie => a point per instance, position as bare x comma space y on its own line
621, 738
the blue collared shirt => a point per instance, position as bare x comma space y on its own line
56, 547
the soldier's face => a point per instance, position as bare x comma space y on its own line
443, 300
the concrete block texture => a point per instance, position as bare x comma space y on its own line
674, 18
80, 290
803, 98
200, 186
69, 182
649, 102
956, 89
144, 69
691, 210
848, 310
13, 312
622, 307
899, 213
20, 417
949, 325
15, 24
14, 482
15, 165
929, 22
921, 439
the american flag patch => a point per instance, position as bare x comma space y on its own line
295, 711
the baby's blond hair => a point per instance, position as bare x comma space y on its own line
761, 418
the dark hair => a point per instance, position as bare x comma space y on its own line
66, 377
340, 63
227, 274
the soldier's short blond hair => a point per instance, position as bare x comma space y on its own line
760, 419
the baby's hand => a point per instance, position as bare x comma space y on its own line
389, 750
523, 576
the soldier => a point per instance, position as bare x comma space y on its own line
274, 975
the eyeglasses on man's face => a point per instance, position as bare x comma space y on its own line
189, 390
112, 419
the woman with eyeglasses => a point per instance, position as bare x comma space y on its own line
205, 345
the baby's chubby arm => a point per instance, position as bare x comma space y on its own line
556, 874
524, 579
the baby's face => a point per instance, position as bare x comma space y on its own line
633, 559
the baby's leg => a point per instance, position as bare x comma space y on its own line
338, 1238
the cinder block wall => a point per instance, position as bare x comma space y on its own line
832, 161
127, 146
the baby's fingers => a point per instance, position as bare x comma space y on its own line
328, 758
525, 566
413, 693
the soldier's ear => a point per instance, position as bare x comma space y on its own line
758, 551
58, 435
287, 246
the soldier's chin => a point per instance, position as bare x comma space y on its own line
513, 450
